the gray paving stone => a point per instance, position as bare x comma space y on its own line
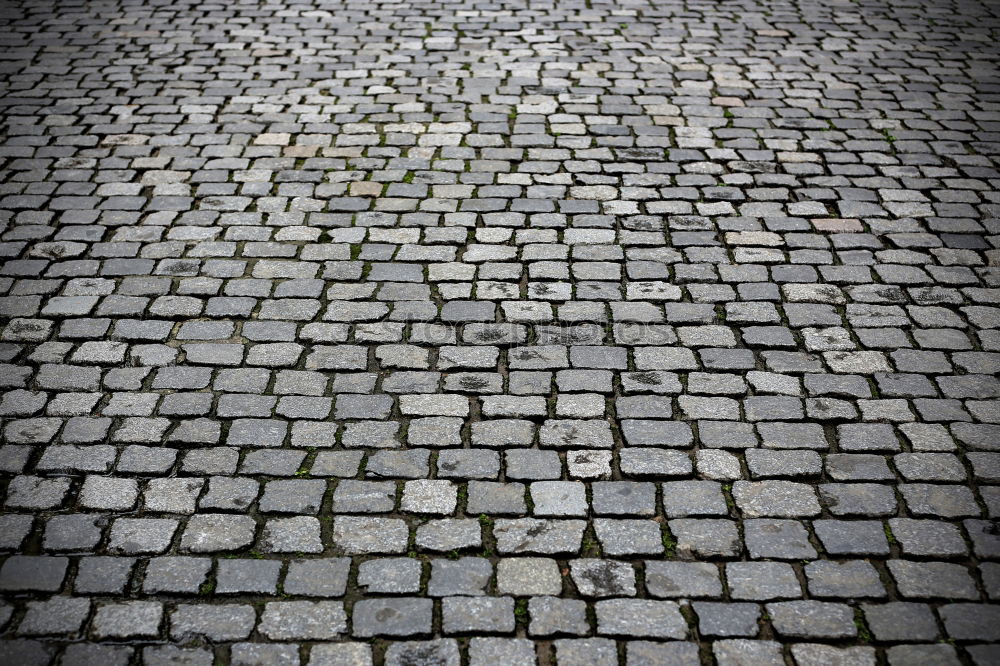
390, 575
743, 651
439, 651
171, 654
451, 307
33, 573
815, 653
779, 499
927, 538
392, 617
727, 619
532, 464
845, 579
981, 654
558, 498
80, 654
129, 619
340, 654
858, 499
528, 576
317, 577
761, 581
777, 539
544, 537
698, 538
461, 615
238, 576
603, 578
575, 652
28, 652
924, 580
100, 574
555, 616
217, 532
623, 498
466, 576
513, 651
985, 541
812, 619
184, 575
640, 618
901, 621
629, 537
370, 535
677, 653
60, 616
682, 579
364, 496
299, 534
971, 622
922, 654
73, 532
225, 622
303, 620
26, 492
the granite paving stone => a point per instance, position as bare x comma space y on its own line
626, 333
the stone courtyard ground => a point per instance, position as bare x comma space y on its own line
493, 332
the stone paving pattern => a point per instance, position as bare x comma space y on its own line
486, 332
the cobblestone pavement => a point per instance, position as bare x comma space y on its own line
645, 332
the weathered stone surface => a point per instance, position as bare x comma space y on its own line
498, 333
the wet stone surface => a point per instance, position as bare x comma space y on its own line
466, 333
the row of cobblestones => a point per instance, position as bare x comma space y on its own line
577, 332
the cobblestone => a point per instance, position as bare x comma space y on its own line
462, 333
